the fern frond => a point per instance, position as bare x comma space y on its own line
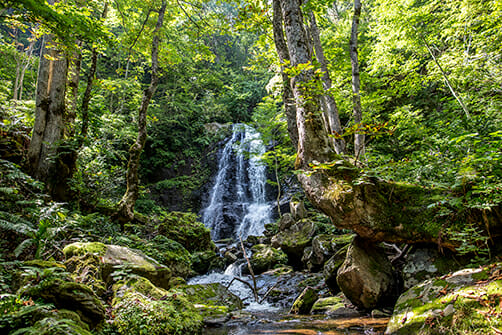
23, 246
19, 228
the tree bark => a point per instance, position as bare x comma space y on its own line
125, 212
287, 91
331, 110
359, 138
49, 113
313, 141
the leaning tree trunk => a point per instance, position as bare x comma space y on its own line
287, 91
359, 147
48, 130
125, 212
331, 110
313, 143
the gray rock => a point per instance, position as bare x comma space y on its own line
297, 210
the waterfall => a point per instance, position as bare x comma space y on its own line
238, 204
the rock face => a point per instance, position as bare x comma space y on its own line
459, 303
366, 276
324, 246
303, 304
266, 257
113, 257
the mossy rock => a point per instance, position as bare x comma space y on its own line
265, 257
185, 229
140, 307
68, 295
54, 326
459, 303
294, 240
86, 269
303, 304
331, 267
114, 257
18, 313
205, 261
327, 305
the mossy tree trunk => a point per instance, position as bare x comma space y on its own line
125, 212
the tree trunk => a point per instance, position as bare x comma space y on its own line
29, 53
359, 147
125, 212
48, 130
331, 110
313, 143
287, 91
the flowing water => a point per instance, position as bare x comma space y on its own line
237, 208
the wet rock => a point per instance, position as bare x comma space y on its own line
366, 277
297, 210
456, 302
331, 267
113, 257
230, 257
303, 304
285, 222
266, 257
205, 261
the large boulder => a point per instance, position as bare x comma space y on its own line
366, 277
381, 210
465, 302
294, 240
265, 257
117, 258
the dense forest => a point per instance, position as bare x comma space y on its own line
382, 144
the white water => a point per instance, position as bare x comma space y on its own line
238, 204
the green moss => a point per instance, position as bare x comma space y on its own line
81, 248
321, 306
265, 257
44, 264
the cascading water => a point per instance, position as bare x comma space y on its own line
237, 205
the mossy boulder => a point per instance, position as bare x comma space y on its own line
22, 315
330, 270
213, 301
205, 261
113, 257
303, 304
139, 307
366, 277
285, 222
86, 269
265, 257
465, 302
68, 295
185, 229
294, 240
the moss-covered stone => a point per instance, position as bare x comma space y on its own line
114, 258
265, 257
54, 326
331, 267
185, 229
465, 302
327, 305
140, 307
303, 304
68, 295
87, 269
205, 261
294, 240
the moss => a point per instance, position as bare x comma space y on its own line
141, 308
324, 305
81, 248
54, 326
265, 257
44, 264
303, 304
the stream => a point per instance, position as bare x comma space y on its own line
238, 207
